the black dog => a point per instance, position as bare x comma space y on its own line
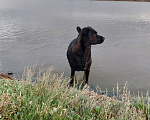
79, 51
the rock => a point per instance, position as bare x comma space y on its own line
10, 73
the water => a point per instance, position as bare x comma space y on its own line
40, 31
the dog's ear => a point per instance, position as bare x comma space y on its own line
80, 34
78, 29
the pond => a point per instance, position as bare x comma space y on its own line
39, 31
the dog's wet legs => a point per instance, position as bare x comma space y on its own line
87, 71
72, 77
86, 76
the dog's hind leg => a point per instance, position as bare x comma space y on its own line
72, 77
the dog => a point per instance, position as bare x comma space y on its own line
79, 51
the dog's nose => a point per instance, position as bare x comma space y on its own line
103, 38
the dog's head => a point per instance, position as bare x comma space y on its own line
89, 36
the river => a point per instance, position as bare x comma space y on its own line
39, 31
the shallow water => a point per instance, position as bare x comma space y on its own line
40, 31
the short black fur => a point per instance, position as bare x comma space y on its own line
79, 51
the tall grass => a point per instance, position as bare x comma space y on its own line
48, 96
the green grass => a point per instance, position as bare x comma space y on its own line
49, 97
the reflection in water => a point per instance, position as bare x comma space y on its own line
35, 32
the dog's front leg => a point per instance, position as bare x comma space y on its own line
86, 75
73, 78
87, 71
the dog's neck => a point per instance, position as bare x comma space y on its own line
87, 51
86, 46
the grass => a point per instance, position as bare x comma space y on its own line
47, 96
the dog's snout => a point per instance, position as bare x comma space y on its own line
102, 38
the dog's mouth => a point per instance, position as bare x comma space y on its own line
98, 41
102, 40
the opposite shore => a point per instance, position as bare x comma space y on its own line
125, 0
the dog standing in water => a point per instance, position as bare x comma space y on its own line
79, 51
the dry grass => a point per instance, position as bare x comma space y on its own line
47, 96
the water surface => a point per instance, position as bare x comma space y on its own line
37, 31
